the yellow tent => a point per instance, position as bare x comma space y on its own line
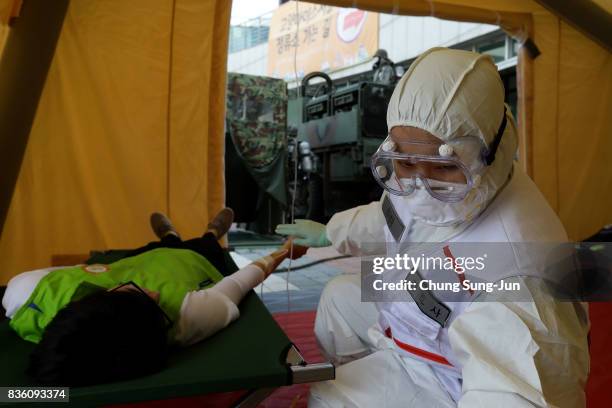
130, 118
565, 102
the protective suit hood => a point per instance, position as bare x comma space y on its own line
457, 96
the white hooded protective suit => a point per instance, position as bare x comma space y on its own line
503, 353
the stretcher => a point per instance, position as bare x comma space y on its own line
253, 354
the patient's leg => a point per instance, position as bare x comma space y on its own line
162, 226
207, 245
221, 223
209, 248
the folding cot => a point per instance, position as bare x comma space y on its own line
251, 354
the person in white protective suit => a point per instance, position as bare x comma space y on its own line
449, 176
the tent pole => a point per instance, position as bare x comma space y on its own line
24, 65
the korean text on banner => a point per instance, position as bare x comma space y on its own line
328, 38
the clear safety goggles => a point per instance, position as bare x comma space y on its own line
434, 167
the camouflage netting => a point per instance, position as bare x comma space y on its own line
257, 125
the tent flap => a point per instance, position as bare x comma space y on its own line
10, 9
130, 121
564, 102
22, 79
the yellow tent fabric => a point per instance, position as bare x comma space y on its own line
565, 102
604, 4
4, 30
130, 121
8, 10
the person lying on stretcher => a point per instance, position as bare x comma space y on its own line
103, 323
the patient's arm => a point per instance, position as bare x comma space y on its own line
237, 285
205, 312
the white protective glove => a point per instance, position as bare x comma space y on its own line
307, 233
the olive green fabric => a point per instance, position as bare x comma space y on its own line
257, 125
248, 354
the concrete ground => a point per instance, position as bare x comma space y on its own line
297, 289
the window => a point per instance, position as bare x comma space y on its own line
496, 49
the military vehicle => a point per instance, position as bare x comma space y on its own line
343, 126
313, 165
305, 152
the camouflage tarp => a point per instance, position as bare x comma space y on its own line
257, 124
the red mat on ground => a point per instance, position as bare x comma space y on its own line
299, 327
599, 386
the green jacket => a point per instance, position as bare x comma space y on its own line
171, 272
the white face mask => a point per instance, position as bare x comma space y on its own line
423, 207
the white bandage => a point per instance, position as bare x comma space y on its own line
238, 284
